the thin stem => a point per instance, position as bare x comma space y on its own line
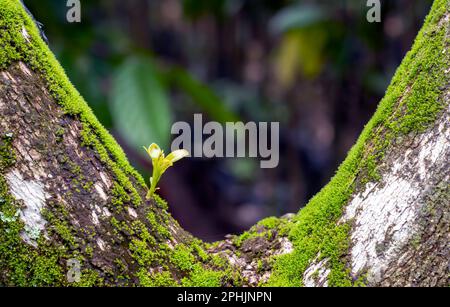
154, 181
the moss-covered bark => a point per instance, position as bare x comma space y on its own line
92, 203
68, 192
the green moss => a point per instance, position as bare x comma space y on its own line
270, 222
411, 104
74, 168
157, 226
201, 253
20, 264
201, 277
141, 252
161, 203
215, 261
182, 257
46, 270
60, 134
246, 235
87, 186
259, 266
268, 228
89, 278
218, 262
119, 197
89, 251
120, 173
7, 156
34, 52
159, 279
61, 228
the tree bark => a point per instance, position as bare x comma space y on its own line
68, 194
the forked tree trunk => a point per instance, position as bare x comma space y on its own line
69, 198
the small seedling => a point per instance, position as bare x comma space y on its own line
161, 164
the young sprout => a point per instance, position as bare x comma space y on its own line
161, 164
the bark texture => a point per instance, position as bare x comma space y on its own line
67, 192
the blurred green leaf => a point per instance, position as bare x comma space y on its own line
301, 50
202, 95
140, 105
297, 17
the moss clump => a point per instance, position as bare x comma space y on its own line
161, 203
157, 226
246, 235
268, 228
411, 104
158, 279
141, 253
183, 258
24, 265
59, 134
89, 278
119, 197
60, 227
201, 277
21, 264
270, 222
185, 268
7, 156
201, 253
216, 274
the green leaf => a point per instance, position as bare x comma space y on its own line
140, 105
301, 50
203, 96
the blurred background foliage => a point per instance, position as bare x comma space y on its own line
317, 67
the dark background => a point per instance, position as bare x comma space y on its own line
317, 67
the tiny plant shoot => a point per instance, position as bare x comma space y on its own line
161, 163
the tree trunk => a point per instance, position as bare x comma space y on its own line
71, 203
